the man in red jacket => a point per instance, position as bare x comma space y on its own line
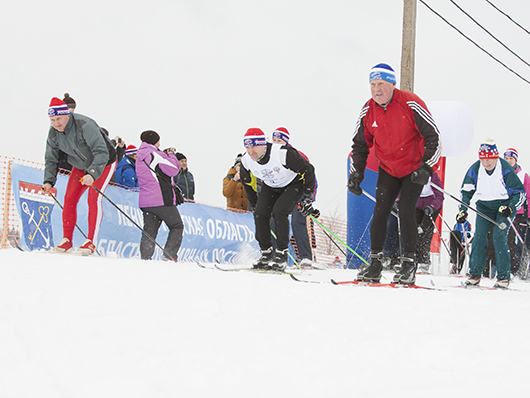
398, 127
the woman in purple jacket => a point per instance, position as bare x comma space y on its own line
427, 210
155, 169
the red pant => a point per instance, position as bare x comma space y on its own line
74, 191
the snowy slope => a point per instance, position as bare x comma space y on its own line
100, 327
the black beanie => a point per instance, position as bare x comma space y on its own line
180, 156
150, 136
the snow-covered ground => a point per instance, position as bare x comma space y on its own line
101, 327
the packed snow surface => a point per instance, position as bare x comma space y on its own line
73, 326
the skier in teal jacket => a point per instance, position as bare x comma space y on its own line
499, 193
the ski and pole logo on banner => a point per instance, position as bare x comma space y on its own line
36, 215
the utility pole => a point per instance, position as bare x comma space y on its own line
408, 46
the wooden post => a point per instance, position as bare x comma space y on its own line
408, 46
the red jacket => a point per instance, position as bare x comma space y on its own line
403, 135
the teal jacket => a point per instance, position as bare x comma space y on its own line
86, 146
512, 183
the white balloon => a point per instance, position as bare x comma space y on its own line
455, 123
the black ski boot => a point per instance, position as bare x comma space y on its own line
407, 274
372, 273
266, 257
280, 260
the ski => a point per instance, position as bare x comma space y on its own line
305, 280
388, 285
478, 287
255, 270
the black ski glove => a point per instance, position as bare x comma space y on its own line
428, 210
421, 176
305, 207
354, 183
506, 211
461, 217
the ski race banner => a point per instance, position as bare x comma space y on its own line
210, 233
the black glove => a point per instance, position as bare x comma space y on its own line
421, 176
354, 183
316, 213
506, 211
461, 217
428, 210
305, 207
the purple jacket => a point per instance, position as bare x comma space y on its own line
155, 186
434, 200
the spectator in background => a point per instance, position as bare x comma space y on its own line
184, 179
70, 102
520, 221
233, 189
158, 198
126, 170
459, 240
427, 210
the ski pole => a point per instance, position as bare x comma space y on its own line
518, 235
340, 249
501, 226
373, 199
340, 240
440, 235
135, 224
77, 226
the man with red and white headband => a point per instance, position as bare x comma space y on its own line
288, 180
93, 158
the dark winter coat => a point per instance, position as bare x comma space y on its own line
155, 185
184, 179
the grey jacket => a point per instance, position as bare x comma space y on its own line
86, 146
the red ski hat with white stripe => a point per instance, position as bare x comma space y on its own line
254, 137
282, 134
57, 107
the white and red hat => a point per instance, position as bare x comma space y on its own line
57, 107
512, 152
130, 150
488, 150
254, 137
282, 134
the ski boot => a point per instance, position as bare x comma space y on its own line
473, 281
267, 256
407, 273
501, 284
280, 260
372, 273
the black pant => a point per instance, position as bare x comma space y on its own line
153, 217
423, 247
458, 252
278, 202
386, 192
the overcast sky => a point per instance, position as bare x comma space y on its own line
201, 72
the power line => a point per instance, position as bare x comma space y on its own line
485, 30
507, 16
455, 28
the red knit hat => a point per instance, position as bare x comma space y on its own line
130, 150
282, 134
254, 137
58, 107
